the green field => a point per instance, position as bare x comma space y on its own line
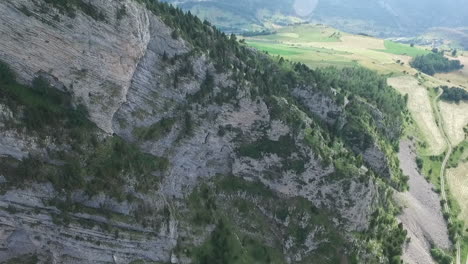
403, 49
319, 46
276, 49
312, 56
305, 33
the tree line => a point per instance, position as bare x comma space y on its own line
435, 62
454, 94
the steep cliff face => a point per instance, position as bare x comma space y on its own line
91, 59
203, 155
336, 115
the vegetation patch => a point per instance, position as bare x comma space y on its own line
156, 131
464, 247
25, 259
403, 49
41, 105
107, 162
366, 84
107, 167
304, 33
284, 147
441, 257
310, 55
420, 107
430, 166
454, 94
277, 49
223, 246
459, 155
242, 232
115, 157
433, 63
206, 89
455, 120
457, 179
69, 7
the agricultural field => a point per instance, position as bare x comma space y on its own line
419, 104
319, 57
455, 118
319, 46
458, 183
458, 78
305, 33
403, 49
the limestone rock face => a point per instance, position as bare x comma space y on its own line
91, 59
23, 233
321, 105
333, 114
132, 74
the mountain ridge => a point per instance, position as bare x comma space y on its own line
197, 154
391, 18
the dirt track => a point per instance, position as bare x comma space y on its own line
443, 130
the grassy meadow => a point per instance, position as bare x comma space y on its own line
319, 46
403, 49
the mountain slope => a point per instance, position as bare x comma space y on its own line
133, 132
379, 18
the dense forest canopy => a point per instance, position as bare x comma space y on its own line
454, 94
435, 62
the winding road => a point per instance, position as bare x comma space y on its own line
444, 166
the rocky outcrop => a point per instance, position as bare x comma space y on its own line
90, 238
328, 110
320, 104
91, 59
